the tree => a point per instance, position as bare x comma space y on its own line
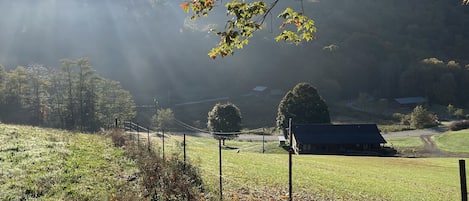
16, 94
3, 76
450, 109
39, 77
114, 102
421, 118
303, 105
224, 121
246, 18
163, 119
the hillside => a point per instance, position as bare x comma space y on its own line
50, 164
362, 46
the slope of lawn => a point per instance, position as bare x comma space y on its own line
250, 175
453, 141
48, 164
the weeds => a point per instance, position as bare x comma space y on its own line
164, 179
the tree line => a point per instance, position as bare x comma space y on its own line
72, 97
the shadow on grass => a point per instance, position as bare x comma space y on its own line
383, 152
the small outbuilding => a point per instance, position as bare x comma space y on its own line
411, 101
336, 138
281, 141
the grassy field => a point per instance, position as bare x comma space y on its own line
405, 142
49, 164
252, 175
54, 165
456, 141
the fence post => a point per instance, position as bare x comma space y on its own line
130, 129
219, 157
462, 174
163, 145
148, 136
290, 168
184, 148
138, 135
263, 140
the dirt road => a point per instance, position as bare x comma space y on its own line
415, 133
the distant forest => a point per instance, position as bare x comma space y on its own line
73, 97
385, 48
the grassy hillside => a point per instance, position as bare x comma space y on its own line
57, 165
456, 141
252, 175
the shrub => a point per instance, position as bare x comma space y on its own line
117, 137
421, 118
460, 125
163, 179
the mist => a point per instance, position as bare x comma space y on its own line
155, 51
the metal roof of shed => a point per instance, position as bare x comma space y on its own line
411, 100
337, 134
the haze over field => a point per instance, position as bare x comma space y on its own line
155, 51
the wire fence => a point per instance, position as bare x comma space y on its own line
234, 183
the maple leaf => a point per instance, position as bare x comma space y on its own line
185, 7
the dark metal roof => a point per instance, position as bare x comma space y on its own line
337, 134
411, 100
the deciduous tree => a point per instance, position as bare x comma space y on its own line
245, 18
163, 119
224, 121
421, 118
303, 105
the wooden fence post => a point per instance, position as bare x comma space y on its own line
138, 135
130, 130
462, 174
148, 138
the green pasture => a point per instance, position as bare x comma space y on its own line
48, 164
405, 142
249, 174
454, 141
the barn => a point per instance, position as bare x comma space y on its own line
336, 138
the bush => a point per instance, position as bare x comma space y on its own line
421, 118
460, 125
163, 179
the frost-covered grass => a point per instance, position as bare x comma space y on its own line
48, 164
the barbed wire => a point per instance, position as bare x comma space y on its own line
192, 128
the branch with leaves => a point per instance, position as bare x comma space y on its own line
247, 18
